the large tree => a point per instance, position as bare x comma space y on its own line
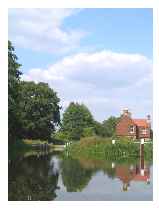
76, 118
40, 110
13, 95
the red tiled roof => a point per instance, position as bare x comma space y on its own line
141, 122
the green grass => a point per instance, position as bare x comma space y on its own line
102, 148
26, 147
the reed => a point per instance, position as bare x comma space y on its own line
97, 148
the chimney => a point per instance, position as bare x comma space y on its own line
126, 112
149, 119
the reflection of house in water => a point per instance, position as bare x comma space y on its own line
133, 173
139, 172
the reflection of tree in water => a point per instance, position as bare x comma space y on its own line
97, 165
29, 177
109, 171
74, 176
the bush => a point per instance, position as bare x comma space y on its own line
102, 148
60, 135
88, 132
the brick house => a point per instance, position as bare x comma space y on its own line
133, 128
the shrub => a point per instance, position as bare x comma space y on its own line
88, 132
102, 148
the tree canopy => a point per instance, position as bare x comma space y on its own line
109, 126
40, 110
76, 118
33, 109
13, 94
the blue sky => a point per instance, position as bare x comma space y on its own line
88, 55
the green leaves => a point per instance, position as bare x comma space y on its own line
109, 126
33, 109
40, 110
76, 118
13, 95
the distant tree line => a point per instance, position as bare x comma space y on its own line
34, 111
78, 122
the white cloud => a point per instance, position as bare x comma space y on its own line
43, 29
105, 81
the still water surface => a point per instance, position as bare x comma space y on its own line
48, 177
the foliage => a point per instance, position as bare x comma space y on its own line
33, 109
60, 135
75, 119
109, 126
88, 132
99, 129
13, 95
103, 148
148, 151
40, 111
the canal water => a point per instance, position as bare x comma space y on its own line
51, 176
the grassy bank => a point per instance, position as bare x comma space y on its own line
31, 142
30, 147
102, 148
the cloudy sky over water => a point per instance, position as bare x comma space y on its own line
99, 57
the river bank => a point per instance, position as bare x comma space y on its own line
103, 149
88, 148
31, 147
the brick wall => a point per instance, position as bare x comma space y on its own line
122, 128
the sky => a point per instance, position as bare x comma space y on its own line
99, 57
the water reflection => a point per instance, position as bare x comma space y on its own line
30, 179
132, 173
74, 176
42, 176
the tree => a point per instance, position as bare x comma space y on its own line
110, 125
99, 129
40, 110
13, 95
75, 119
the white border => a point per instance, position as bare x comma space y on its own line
4, 104
82, 3
156, 103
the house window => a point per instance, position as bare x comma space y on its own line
132, 129
144, 131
